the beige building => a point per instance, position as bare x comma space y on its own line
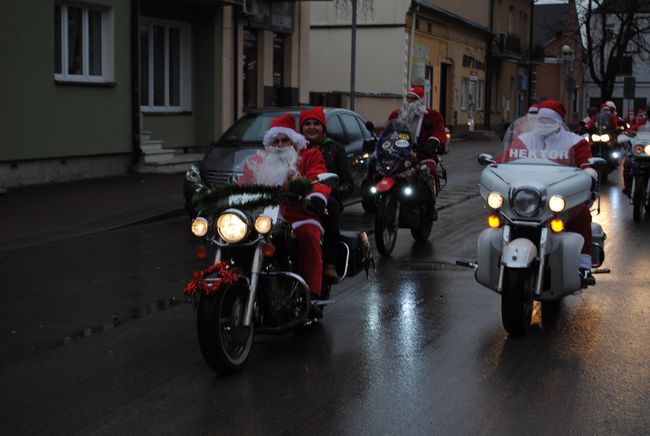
440, 46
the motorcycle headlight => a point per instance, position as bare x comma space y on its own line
263, 224
526, 202
604, 137
199, 226
193, 174
647, 150
232, 227
495, 200
595, 137
556, 203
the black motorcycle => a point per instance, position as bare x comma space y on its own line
604, 144
638, 167
252, 285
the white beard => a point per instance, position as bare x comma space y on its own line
410, 113
276, 166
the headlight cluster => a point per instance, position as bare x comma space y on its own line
642, 149
556, 203
526, 202
600, 138
232, 226
495, 200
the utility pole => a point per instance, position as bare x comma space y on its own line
353, 58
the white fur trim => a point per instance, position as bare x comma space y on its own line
308, 221
550, 113
319, 195
299, 141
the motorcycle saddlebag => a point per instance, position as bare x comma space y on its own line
598, 237
350, 254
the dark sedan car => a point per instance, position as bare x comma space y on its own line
224, 163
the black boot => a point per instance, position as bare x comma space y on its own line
586, 277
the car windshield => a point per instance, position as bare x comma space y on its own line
250, 128
539, 140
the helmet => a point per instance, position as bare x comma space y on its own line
611, 105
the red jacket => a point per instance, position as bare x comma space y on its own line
431, 125
310, 165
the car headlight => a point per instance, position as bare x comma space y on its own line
556, 203
604, 137
263, 224
526, 202
193, 174
232, 227
595, 138
199, 226
495, 200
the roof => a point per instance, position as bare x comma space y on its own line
550, 21
430, 6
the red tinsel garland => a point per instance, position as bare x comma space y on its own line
199, 284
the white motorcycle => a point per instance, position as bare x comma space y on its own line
527, 254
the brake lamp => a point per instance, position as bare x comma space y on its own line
494, 222
557, 225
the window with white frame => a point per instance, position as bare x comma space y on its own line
165, 66
464, 88
83, 43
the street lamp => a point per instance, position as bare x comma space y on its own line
568, 57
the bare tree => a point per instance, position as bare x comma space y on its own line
365, 7
613, 30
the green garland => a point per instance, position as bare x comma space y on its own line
215, 200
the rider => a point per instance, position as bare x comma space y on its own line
550, 139
313, 126
286, 157
640, 125
428, 129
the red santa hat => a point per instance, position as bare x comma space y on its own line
416, 91
604, 107
286, 125
552, 109
533, 109
315, 113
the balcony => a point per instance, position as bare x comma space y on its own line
506, 45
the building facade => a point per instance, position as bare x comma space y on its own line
96, 88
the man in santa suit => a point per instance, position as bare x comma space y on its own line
428, 128
286, 157
605, 118
550, 139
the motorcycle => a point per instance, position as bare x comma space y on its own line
252, 286
638, 166
526, 254
404, 196
604, 145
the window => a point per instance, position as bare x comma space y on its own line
250, 68
278, 60
351, 127
464, 85
335, 129
624, 68
164, 66
83, 44
511, 13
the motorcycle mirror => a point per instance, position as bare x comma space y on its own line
597, 163
623, 138
370, 126
369, 145
486, 159
328, 179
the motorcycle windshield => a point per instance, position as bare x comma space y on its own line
538, 140
393, 152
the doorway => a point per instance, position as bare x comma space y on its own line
443, 90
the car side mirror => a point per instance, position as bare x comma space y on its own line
369, 145
328, 179
486, 159
597, 163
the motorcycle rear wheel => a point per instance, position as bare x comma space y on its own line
225, 343
386, 224
516, 302
639, 198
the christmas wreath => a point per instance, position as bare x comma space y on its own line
216, 199
224, 277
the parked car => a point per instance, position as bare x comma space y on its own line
223, 164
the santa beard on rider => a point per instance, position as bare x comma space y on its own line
278, 163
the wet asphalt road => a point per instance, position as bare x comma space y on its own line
416, 349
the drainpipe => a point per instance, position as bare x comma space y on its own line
488, 71
411, 44
235, 63
135, 81
530, 52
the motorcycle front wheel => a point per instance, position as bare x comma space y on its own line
225, 342
386, 224
516, 302
638, 201
422, 232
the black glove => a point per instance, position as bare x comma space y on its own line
315, 205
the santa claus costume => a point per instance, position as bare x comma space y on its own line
286, 157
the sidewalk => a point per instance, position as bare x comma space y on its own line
36, 214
